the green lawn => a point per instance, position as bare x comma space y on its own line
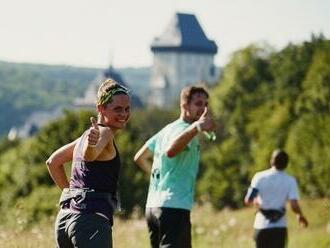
210, 229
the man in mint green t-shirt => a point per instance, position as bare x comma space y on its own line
174, 152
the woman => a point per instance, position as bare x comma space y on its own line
89, 199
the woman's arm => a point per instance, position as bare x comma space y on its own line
55, 164
103, 135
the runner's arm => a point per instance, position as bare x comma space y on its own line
181, 141
250, 197
91, 152
204, 123
296, 209
55, 164
143, 158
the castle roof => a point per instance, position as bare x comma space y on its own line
112, 73
184, 34
89, 99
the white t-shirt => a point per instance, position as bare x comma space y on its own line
274, 187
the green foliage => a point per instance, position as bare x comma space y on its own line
6, 144
24, 178
263, 101
270, 100
23, 169
316, 92
33, 208
221, 175
308, 143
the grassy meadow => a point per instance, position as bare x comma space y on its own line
210, 229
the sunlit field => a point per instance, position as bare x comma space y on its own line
210, 229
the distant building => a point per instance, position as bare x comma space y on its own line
89, 99
40, 118
183, 55
34, 122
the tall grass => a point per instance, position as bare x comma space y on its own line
210, 229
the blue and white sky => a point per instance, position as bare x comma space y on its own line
93, 33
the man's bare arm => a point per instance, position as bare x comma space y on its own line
143, 159
204, 123
296, 208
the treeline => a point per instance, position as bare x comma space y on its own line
268, 100
25, 88
264, 100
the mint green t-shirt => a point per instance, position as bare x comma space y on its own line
172, 181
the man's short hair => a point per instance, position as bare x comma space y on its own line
188, 91
279, 159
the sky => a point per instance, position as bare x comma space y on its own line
95, 33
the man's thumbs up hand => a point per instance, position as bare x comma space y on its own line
206, 122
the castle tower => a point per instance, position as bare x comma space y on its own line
183, 55
89, 98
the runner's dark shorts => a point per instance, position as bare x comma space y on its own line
271, 237
169, 227
76, 230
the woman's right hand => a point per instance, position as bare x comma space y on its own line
93, 133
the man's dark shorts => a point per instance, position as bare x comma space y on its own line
271, 237
169, 227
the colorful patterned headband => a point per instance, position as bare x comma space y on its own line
107, 96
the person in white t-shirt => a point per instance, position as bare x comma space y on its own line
269, 191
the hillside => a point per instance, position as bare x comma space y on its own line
26, 88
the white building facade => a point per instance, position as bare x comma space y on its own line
183, 55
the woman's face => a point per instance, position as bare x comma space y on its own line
116, 113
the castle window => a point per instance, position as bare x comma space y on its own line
212, 71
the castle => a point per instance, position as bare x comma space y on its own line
183, 55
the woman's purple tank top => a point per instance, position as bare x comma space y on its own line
100, 176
